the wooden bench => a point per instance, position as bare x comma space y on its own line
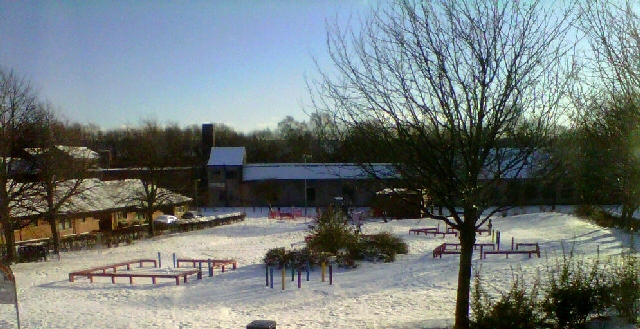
153, 276
113, 267
443, 249
454, 232
534, 245
535, 251
424, 230
101, 271
208, 262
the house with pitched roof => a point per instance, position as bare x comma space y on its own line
101, 206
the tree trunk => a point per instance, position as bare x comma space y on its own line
467, 240
151, 223
55, 233
10, 239
9, 234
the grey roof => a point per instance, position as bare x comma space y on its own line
299, 171
227, 156
79, 152
97, 195
76, 152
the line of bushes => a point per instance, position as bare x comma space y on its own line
574, 292
604, 218
332, 236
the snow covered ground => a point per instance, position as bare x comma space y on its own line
416, 291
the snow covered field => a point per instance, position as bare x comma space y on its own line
417, 291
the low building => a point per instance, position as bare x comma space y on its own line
101, 206
233, 182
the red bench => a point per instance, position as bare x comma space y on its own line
101, 271
424, 230
214, 262
443, 250
534, 251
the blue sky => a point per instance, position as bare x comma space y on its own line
116, 63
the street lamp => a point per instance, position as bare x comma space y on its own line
305, 157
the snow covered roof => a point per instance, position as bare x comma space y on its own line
76, 152
97, 195
299, 171
79, 152
227, 156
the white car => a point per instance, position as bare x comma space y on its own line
165, 219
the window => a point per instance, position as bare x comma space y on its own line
64, 224
121, 215
311, 194
232, 174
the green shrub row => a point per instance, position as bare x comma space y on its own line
333, 236
605, 218
573, 292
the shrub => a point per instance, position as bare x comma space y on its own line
332, 233
625, 287
383, 245
277, 257
515, 309
597, 215
574, 292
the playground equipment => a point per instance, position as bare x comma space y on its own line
269, 275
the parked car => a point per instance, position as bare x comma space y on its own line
191, 215
165, 219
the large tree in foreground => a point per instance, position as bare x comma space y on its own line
459, 94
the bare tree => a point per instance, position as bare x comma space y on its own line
461, 93
609, 99
61, 171
20, 112
154, 156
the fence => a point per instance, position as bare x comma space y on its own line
34, 250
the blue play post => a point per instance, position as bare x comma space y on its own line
330, 274
211, 268
174, 259
271, 274
159, 260
266, 275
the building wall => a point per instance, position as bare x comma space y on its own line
320, 193
225, 186
66, 226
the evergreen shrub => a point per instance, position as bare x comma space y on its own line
516, 309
